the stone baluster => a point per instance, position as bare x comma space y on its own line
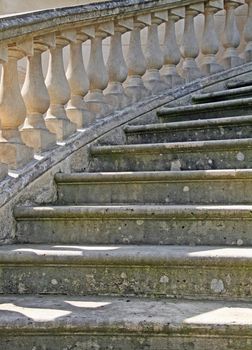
154, 55
189, 46
210, 43
134, 86
231, 36
97, 72
171, 50
12, 109
3, 59
248, 33
116, 66
58, 88
77, 110
34, 132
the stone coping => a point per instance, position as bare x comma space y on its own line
41, 22
17, 181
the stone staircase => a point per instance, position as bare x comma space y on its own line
148, 249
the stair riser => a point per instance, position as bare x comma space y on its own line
155, 280
211, 112
183, 135
141, 230
187, 160
121, 341
174, 192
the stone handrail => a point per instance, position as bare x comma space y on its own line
42, 112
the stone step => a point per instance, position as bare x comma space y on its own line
159, 187
195, 155
136, 224
220, 109
223, 95
206, 272
238, 84
191, 130
85, 323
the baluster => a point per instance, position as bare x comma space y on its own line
12, 110
248, 33
3, 59
134, 86
34, 132
189, 47
3, 171
231, 36
172, 54
116, 66
210, 43
154, 55
58, 88
97, 72
77, 110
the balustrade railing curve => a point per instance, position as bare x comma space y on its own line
45, 110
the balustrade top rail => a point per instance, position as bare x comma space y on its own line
38, 22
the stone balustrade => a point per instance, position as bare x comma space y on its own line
45, 110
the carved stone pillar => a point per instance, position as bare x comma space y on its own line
248, 33
97, 72
34, 132
154, 55
189, 46
134, 86
58, 88
231, 36
171, 50
210, 42
12, 110
77, 110
116, 66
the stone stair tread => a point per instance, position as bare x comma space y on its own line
231, 174
172, 146
194, 108
223, 94
238, 84
188, 124
133, 211
128, 255
65, 314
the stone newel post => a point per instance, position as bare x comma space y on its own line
12, 109
97, 72
231, 36
134, 86
248, 33
171, 50
58, 88
77, 109
34, 132
116, 66
189, 46
210, 43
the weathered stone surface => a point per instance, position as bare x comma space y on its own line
178, 187
136, 224
160, 271
64, 323
223, 95
195, 155
220, 109
191, 130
